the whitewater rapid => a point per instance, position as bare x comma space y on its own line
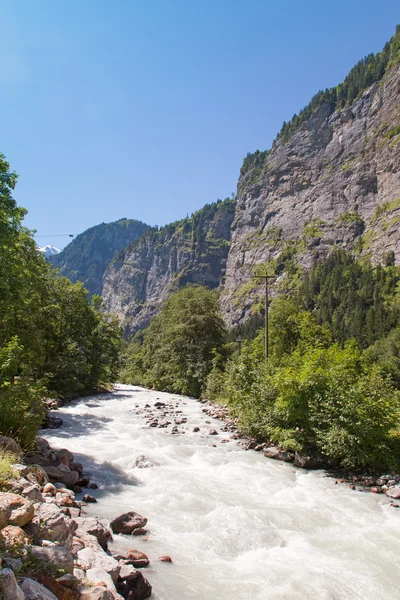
238, 526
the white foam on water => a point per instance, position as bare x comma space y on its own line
238, 526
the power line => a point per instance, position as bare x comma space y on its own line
71, 235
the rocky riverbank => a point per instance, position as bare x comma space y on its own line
170, 416
49, 548
388, 484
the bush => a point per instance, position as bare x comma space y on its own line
21, 410
7, 471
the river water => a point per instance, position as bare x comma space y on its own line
237, 525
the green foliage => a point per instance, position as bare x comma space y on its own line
50, 338
366, 72
7, 471
312, 395
178, 347
351, 298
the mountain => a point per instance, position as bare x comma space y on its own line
87, 256
193, 250
49, 250
331, 179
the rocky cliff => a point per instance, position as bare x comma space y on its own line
87, 256
193, 250
334, 183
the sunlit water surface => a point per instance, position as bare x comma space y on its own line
238, 526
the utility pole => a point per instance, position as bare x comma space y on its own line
239, 341
266, 278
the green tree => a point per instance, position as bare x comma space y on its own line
178, 347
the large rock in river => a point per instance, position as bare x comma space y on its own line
127, 523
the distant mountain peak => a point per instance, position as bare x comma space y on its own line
49, 250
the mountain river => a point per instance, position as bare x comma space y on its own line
238, 526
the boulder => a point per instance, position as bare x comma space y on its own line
307, 462
36, 591
15, 510
97, 558
15, 564
49, 488
127, 523
136, 558
94, 526
51, 422
89, 499
65, 454
37, 474
57, 555
132, 585
279, 454
32, 492
69, 581
9, 445
42, 445
61, 592
394, 492
70, 479
94, 593
165, 558
53, 472
50, 523
76, 466
9, 589
12, 537
99, 576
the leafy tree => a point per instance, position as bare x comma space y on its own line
178, 347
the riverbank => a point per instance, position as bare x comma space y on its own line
49, 548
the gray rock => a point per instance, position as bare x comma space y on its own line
97, 576
279, 454
132, 584
15, 564
307, 462
70, 581
50, 523
33, 493
15, 510
10, 445
94, 526
70, 479
97, 558
9, 589
94, 593
35, 591
394, 492
57, 555
127, 523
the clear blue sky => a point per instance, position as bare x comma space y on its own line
145, 109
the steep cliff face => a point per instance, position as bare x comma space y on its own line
334, 183
87, 256
193, 250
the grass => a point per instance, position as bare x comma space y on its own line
7, 471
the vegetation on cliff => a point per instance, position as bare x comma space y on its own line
366, 72
51, 339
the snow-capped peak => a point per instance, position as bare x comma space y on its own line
49, 250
